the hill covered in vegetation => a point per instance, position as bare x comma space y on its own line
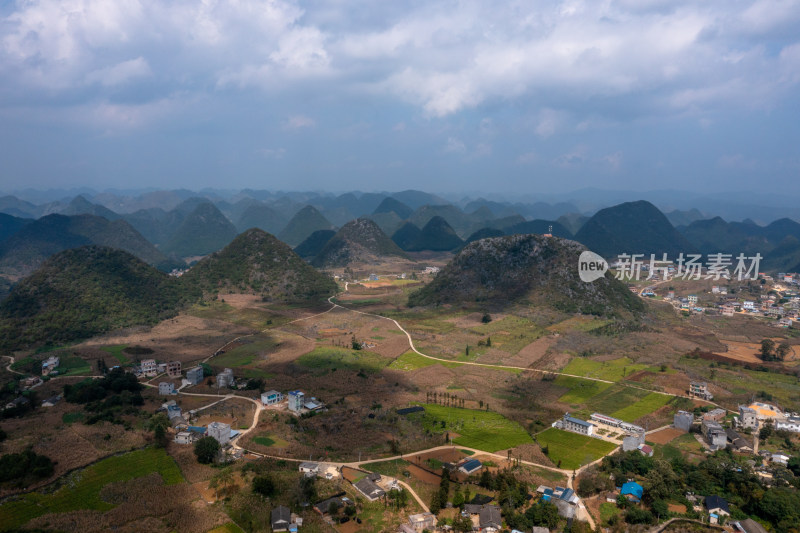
203, 231
303, 224
314, 244
83, 292
257, 262
24, 251
632, 227
360, 240
531, 268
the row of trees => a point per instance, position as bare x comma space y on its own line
770, 352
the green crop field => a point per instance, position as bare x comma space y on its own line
246, 353
412, 361
511, 333
643, 407
482, 430
271, 441
580, 390
615, 398
571, 449
116, 352
82, 488
73, 366
613, 370
329, 358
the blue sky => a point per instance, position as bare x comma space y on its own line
441, 96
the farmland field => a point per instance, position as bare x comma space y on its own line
580, 390
327, 358
483, 430
245, 354
116, 352
82, 488
613, 370
643, 407
570, 449
412, 361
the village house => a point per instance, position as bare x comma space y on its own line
148, 367
271, 397
369, 489
174, 369
575, 425
717, 415
469, 466
737, 442
185, 437
699, 389
683, 420
717, 508
714, 434
49, 365
165, 388
195, 375
31, 382
225, 379
422, 521
747, 417
632, 491
309, 469
791, 423
484, 517
296, 401
51, 401
749, 526
281, 518
220, 431
780, 458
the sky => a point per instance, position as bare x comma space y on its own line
444, 96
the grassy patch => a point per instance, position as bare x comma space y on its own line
71, 418
615, 398
613, 370
643, 407
570, 449
412, 361
608, 511
73, 365
230, 527
580, 390
82, 489
511, 333
116, 353
482, 430
271, 441
328, 358
246, 353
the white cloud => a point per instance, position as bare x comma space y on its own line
296, 122
455, 146
120, 73
273, 153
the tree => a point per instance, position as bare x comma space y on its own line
486, 318
766, 430
206, 450
543, 514
767, 347
782, 351
158, 424
462, 523
660, 508
355, 343
221, 480
264, 485
488, 342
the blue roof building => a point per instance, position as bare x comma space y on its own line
633, 491
470, 466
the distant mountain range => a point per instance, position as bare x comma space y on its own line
163, 228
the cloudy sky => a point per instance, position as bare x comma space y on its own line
437, 95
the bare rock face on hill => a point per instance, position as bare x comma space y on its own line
359, 241
526, 268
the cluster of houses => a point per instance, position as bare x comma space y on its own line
783, 306
297, 402
563, 498
50, 365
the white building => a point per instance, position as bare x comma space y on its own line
148, 367
195, 375
50, 364
220, 431
165, 388
575, 425
296, 401
791, 423
271, 397
225, 378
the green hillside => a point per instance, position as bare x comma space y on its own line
437, 235
359, 240
262, 217
257, 262
313, 245
82, 292
532, 268
302, 225
203, 231
28, 248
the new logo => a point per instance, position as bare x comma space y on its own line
591, 266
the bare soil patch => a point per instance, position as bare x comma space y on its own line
665, 435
